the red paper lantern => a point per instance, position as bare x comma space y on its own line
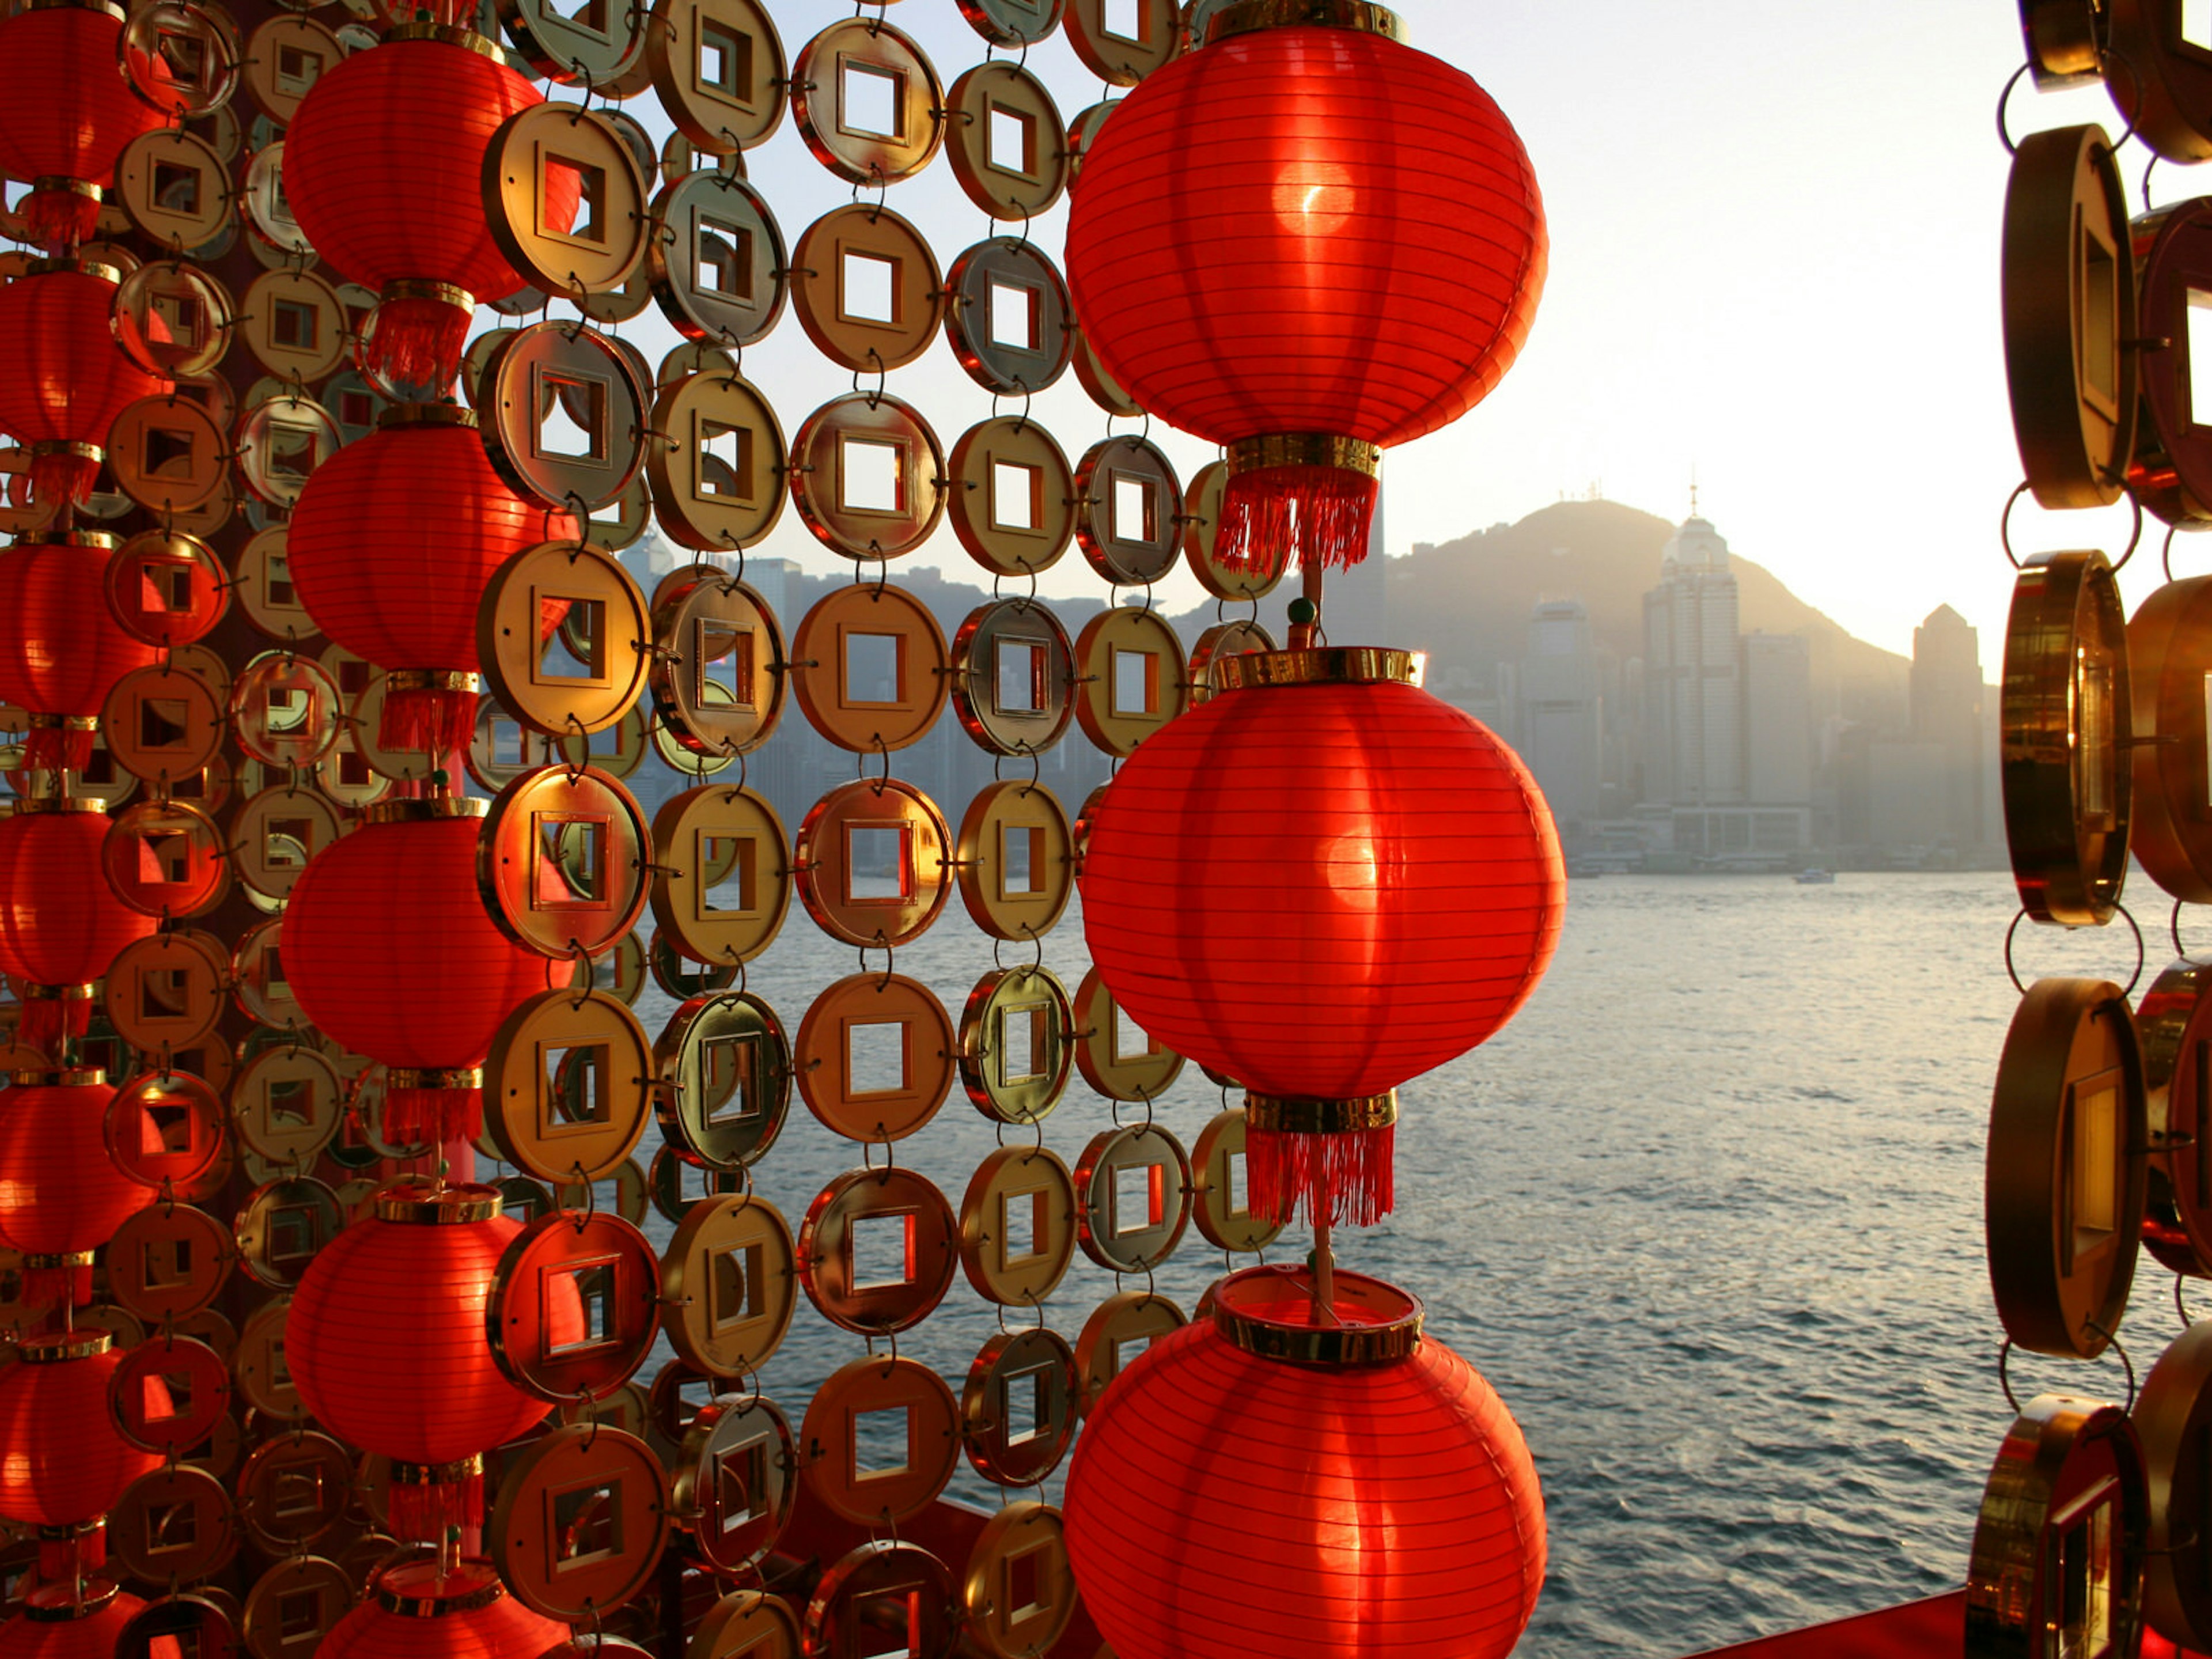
390, 950
1306, 243
62, 1459
60, 923
61, 1195
390, 549
412, 1613
1322, 888
62, 379
54, 1625
1254, 1485
387, 1344
64, 650
384, 169
73, 118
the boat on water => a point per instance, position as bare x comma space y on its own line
1813, 876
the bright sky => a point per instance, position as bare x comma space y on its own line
1774, 259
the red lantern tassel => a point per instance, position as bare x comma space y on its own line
62, 473
428, 720
1323, 515
60, 216
68, 1285
418, 336
1344, 1177
48, 1019
60, 746
415, 1116
422, 1511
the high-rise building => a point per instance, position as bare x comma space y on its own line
1778, 720
1692, 675
1561, 710
1946, 711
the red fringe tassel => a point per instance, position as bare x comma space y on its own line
61, 1559
59, 220
412, 1116
417, 343
422, 1514
47, 1020
62, 476
1346, 1179
428, 720
59, 748
50, 1287
1323, 515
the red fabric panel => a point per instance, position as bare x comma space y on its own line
61, 1458
74, 111
504, 1629
62, 379
59, 1191
63, 650
60, 922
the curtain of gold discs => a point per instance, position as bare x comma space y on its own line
729, 1097
2095, 1530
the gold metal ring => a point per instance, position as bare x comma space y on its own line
1335, 665
1298, 1115
418, 1203
425, 811
1306, 449
1268, 1313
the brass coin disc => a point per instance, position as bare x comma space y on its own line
256, 982
277, 833
1012, 495
2070, 1471
284, 710
1013, 676
1117, 1057
862, 1228
866, 289
173, 1526
282, 1226
1120, 59
830, 1436
285, 58
1132, 1190
167, 454
2169, 649
165, 858
1103, 388
859, 146
2065, 711
549, 243
172, 318
868, 477
163, 722
280, 442
711, 629
676, 975
169, 1262
530, 1537
728, 1046
849, 1025
1201, 534
513, 644
2174, 1417
287, 1103
729, 1280
1023, 1617
717, 467
718, 69
1127, 502
568, 1085
551, 1278
295, 324
1224, 1218
265, 1383
167, 588
1124, 1321
598, 391
1008, 318
1012, 22
1015, 1044
198, 1624
1011, 1447
747, 1625
1005, 137
524, 1200
2064, 1196
872, 863
2171, 473
1232, 638
184, 59
1130, 678
1018, 1225
735, 1481
717, 262
869, 668
591, 49
2159, 77
723, 895
306, 1593
265, 591
189, 1378
176, 189
1015, 858
2174, 1022
618, 750
166, 992
562, 864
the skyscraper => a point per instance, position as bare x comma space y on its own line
1692, 675
1946, 711
1561, 718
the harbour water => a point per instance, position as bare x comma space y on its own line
1708, 1215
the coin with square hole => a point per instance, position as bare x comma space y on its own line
277, 833
1016, 1051
718, 464
167, 454
580, 1521
1007, 317
174, 319
568, 1082
1013, 676
1220, 1188
876, 1251
1130, 677
1007, 145
881, 1439
726, 899
869, 668
1015, 858
734, 1482
1118, 1328
564, 415
165, 858
1012, 495
1118, 55
718, 69
724, 1072
166, 993
1018, 1225
280, 442
1132, 1197
868, 102
1019, 1592
1129, 509
174, 1526
584, 672
729, 1279
875, 1056
565, 198
1018, 1406
287, 1103
866, 287
574, 1306
710, 627
1117, 1057
716, 260
284, 1223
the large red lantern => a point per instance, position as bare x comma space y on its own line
387, 1343
73, 116
391, 952
1257, 1484
1322, 882
384, 169
62, 379
1308, 243
390, 549
413, 1611
60, 922
58, 1622
64, 650
62, 1459
62, 1196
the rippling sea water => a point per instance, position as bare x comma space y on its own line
1708, 1215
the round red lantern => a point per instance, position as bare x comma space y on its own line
65, 651
1258, 1484
61, 1196
1322, 882
73, 118
62, 379
57, 1623
384, 169
390, 950
414, 1612
386, 1342
62, 1459
60, 922
390, 549
1307, 242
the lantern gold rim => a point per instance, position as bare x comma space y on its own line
54, 1262
1300, 1115
426, 414
83, 1077
109, 7
432, 679
416, 1202
1360, 15
426, 811
82, 267
63, 1347
428, 1602
1377, 1322
1306, 449
64, 1604
446, 35
104, 539
1335, 665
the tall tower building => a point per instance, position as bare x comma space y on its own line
1946, 711
1692, 675
1561, 715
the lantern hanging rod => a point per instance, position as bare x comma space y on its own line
1360, 15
